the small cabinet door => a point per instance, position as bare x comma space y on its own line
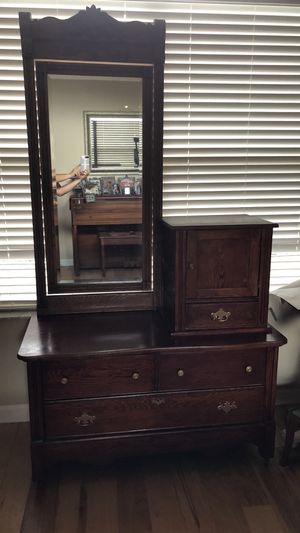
222, 263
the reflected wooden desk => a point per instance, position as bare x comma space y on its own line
101, 215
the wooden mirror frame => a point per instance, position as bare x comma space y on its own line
96, 40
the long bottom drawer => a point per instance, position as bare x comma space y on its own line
123, 414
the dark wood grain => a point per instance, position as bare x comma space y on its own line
160, 411
221, 262
198, 316
59, 337
203, 369
107, 211
225, 263
103, 376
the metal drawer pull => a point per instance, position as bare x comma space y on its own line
64, 381
180, 372
249, 369
220, 315
158, 401
84, 419
226, 407
135, 375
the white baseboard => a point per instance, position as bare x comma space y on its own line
67, 262
14, 413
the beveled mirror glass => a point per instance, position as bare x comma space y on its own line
97, 178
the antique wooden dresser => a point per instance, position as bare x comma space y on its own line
117, 384
174, 355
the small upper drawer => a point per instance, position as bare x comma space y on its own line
107, 375
212, 369
221, 315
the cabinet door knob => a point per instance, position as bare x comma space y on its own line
249, 369
64, 380
180, 372
135, 375
191, 266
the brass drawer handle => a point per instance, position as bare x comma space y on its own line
226, 407
135, 375
84, 419
249, 369
158, 401
220, 315
180, 372
64, 381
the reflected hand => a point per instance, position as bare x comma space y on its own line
78, 173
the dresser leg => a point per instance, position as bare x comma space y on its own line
37, 465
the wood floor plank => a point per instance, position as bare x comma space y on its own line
221, 486
283, 489
69, 501
40, 512
15, 476
133, 505
102, 505
168, 505
263, 518
8, 435
233, 493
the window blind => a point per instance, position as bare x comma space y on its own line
231, 122
112, 142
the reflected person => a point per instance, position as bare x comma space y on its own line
73, 178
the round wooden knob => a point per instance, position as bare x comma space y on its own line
64, 381
249, 369
180, 372
135, 375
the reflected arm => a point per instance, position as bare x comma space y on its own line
76, 176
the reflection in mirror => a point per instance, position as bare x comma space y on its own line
96, 137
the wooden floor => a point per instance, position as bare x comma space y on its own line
235, 493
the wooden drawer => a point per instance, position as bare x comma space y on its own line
220, 315
116, 415
103, 376
212, 369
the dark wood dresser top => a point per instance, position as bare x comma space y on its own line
111, 333
216, 221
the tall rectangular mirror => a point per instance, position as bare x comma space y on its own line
97, 178
94, 111
93, 129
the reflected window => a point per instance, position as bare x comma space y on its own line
114, 142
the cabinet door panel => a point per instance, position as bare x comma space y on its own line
148, 412
222, 263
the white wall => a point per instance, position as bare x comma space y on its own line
13, 379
